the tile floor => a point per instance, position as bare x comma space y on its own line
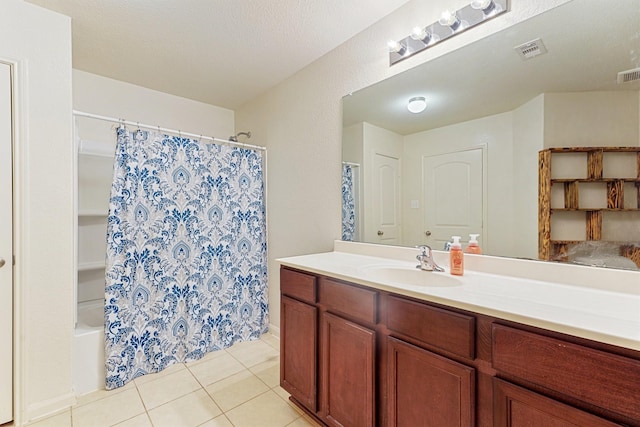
237, 387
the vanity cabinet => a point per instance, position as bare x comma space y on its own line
357, 356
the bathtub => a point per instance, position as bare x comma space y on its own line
88, 348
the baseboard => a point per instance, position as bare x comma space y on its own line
274, 330
49, 407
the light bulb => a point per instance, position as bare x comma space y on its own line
449, 19
481, 4
417, 104
488, 7
422, 35
396, 47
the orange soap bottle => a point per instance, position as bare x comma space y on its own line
474, 247
456, 257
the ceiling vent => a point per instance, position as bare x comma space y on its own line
531, 49
629, 76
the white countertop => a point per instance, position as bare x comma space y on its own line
600, 310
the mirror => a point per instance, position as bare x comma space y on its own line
469, 162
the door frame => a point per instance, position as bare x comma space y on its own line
20, 119
485, 179
10, 259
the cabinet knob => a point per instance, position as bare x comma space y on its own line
427, 233
2, 262
380, 233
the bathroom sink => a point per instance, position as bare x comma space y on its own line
410, 276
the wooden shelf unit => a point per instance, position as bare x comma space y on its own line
615, 188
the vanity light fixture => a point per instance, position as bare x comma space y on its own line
450, 23
417, 104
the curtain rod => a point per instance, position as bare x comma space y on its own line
351, 164
179, 132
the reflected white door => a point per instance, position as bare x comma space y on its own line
386, 202
453, 185
6, 249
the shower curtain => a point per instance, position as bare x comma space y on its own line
186, 252
348, 204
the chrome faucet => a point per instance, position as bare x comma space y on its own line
426, 259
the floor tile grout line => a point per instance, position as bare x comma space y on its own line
144, 405
175, 398
269, 388
246, 401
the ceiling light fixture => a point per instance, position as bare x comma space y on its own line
450, 23
417, 104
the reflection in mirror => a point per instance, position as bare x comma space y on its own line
469, 162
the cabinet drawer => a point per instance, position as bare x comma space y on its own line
596, 377
515, 406
449, 331
353, 302
298, 285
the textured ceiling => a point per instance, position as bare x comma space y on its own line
222, 52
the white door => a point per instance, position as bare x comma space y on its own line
386, 202
453, 185
6, 249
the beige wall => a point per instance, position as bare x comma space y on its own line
300, 121
528, 139
587, 119
103, 96
38, 43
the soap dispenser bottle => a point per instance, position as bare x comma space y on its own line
456, 257
474, 247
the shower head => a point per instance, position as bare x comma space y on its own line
234, 138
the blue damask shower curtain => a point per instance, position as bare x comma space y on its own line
186, 252
348, 204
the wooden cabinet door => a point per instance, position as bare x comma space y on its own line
426, 389
518, 407
348, 373
298, 351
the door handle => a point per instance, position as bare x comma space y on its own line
380, 233
2, 262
